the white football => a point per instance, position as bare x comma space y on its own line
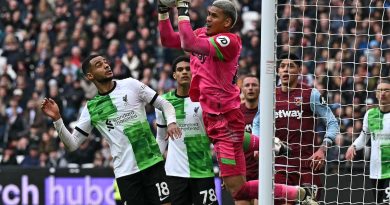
169, 3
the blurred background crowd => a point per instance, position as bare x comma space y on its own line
42, 45
343, 43
344, 46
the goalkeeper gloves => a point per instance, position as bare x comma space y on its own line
162, 9
281, 149
183, 7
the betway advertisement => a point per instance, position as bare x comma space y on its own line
56, 186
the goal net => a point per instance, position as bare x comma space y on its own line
344, 49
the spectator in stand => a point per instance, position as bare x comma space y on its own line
54, 160
33, 116
9, 157
132, 61
147, 78
43, 160
85, 154
15, 120
73, 97
47, 143
32, 158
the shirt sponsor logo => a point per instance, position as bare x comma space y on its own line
201, 57
189, 126
124, 118
289, 113
223, 41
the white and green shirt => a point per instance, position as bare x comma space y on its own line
120, 117
376, 125
190, 155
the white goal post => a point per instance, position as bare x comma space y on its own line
344, 46
267, 79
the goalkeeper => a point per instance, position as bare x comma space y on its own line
214, 59
376, 125
188, 163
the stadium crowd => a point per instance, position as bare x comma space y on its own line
43, 42
344, 46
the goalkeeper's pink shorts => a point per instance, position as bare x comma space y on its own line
226, 132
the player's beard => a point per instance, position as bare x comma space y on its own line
105, 80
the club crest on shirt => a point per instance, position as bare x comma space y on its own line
298, 101
124, 98
196, 109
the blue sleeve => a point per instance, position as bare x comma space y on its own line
319, 106
256, 123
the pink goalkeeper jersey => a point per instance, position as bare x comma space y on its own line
214, 76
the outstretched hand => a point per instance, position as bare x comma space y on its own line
281, 148
256, 155
50, 108
183, 3
183, 8
318, 160
173, 131
351, 152
162, 8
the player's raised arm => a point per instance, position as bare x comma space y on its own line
217, 41
189, 41
169, 38
72, 141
